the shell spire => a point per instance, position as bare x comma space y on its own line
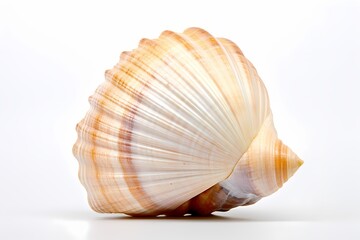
266, 165
181, 125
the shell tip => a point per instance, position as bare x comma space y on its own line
293, 163
299, 162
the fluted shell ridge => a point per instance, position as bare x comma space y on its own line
170, 125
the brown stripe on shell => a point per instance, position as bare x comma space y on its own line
129, 114
102, 126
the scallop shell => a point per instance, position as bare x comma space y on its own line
182, 125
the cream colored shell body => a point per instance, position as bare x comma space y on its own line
182, 124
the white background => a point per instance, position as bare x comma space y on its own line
53, 56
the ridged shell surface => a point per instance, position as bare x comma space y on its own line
182, 124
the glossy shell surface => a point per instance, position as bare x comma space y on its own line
182, 124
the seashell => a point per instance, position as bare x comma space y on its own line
182, 125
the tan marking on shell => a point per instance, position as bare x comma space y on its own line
280, 164
97, 171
